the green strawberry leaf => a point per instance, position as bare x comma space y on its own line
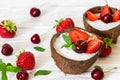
108, 42
12, 68
39, 48
9, 25
42, 72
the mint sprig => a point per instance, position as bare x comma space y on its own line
7, 67
68, 42
42, 72
38, 48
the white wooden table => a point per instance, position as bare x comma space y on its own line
18, 11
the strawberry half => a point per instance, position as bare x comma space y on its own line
76, 35
116, 16
93, 46
7, 29
26, 60
106, 47
61, 25
91, 16
105, 10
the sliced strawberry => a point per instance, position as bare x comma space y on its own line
76, 35
116, 16
64, 24
105, 10
93, 46
91, 16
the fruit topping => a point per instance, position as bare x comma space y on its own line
22, 75
35, 39
7, 29
97, 73
105, 15
76, 35
106, 47
6, 49
35, 12
91, 16
26, 60
81, 46
107, 18
93, 46
61, 25
105, 10
116, 16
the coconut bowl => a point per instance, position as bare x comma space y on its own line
111, 33
69, 66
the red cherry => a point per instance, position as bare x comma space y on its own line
106, 18
81, 46
35, 39
6, 49
35, 12
22, 75
97, 74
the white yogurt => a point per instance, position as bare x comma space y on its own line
68, 52
99, 25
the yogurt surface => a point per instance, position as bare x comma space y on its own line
68, 52
99, 25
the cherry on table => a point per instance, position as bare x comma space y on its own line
35, 39
97, 74
6, 49
35, 12
22, 75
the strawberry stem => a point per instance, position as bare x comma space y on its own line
9, 25
108, 42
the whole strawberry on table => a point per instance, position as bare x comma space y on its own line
63, 24
106, 48
7, 29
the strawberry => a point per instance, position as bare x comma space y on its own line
116, 16
105, 10
7, 29
91, 16
93, 46
76, 35
26, 60
64, 24
106, 47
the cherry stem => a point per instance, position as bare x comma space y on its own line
111, 69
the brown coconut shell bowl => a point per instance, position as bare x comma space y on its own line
69, 66
111, 33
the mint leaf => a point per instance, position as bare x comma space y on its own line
12, 68
73, 47
67, 39
4, 75
2, 65
39, 48
66, 45
42, 72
